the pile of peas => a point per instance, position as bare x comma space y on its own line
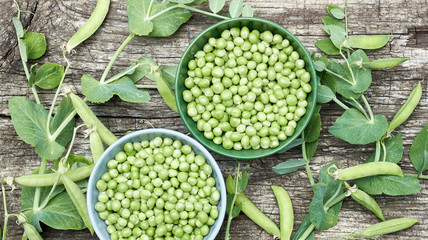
247, 89
158, 189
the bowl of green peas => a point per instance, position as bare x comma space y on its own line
156, 183
246, 88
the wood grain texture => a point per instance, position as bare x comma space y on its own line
407, 21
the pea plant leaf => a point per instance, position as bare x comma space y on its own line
328, 81
354, 128
312, 131
419, 151
32, 75
22, 50
311, 148
235, 209
18, 27
296, 142
247, 11
49, 75
389, 185
216, 5
394, 150
321, 218
98, 92
168, 73
64, 109
363, 76
141, 68
335, 11
325, 94
319, 66
243, 180
35, 43
327, 46
235, 8
181, 1
306, 222
137, 12
337, 34
342, 78
166, 90
332, 21
289, 166
29, 120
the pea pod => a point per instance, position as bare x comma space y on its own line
406, 109
252, 211
383, 63
366, 200
165, 91
285, 211
96, 145
368, 169
90, 119
49, 179
79, 200
390, 226
367, 42
90, 26
30, 231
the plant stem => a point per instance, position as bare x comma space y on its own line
149, 9
417, 175
235, 195
56, 96
349, 67
64, 123
339, 76
46, 200
115, 77
308, 170
362, 110
340, 103
116, 54
368, 107
6, 215
203, 12
38, 189
307, 232
384, 150
329, 202
346, 19
33, 89
72, 140
336, 200
147, 86
149, 18
377, 154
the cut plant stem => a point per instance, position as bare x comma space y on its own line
146, 86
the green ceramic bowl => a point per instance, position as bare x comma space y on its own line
215, 31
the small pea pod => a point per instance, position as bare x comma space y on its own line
49, 179
79, 200
165, 91
30, 231
367, 42
252, 211
390, 226
286, 214
90, 119
367, 170
383, 63
366, 200
406, 109
96, 145
90, 26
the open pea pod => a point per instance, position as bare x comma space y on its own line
165, 90
367, 42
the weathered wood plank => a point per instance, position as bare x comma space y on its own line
58, 20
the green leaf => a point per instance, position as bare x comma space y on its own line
394, 149
327, 46
384, 63
29, 120
137, 13
335, 11
181, 1
337, 35
306, 222
296, 142
419, 151
363, 77
168, 73
18, 27
332, 21
98, 92
289, 166
22, 50
165, 91
319, 66
49, 75
311, 148
236, 210
389, 185
35, 43
216, 5
325, 94
328, 81
74, 159
64, 109
368, 42
235, 8
354, 128
247, 11
143, 70
342, 87
312, 130
243, 180
32, 75
321, 218
167, 24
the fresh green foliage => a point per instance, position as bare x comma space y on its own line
310, 149
306, 223
389, 185
235, 8
332, 21
247, 11
335, 11
289, 166
419, 151
393, 148
49, 75
327, 46
32, 75
216, 5
312, 131
35, 43
342, 78
354, 128
325, 94
337, 35
319, 66
18, 27
362, 77
138, 70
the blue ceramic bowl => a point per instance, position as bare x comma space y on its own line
101, 167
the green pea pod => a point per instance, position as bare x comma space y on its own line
367, 42
79, 200
96, 145
165, 91
390, 226
90, 26
383, 63
90, 119
30, 231
367, 170
366, 200
49, 179
252, 211
286, 214
407, 109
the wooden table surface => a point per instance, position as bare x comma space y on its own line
407, 21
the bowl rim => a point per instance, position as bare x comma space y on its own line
179, 136
235, 153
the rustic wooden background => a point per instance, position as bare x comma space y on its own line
406, 20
